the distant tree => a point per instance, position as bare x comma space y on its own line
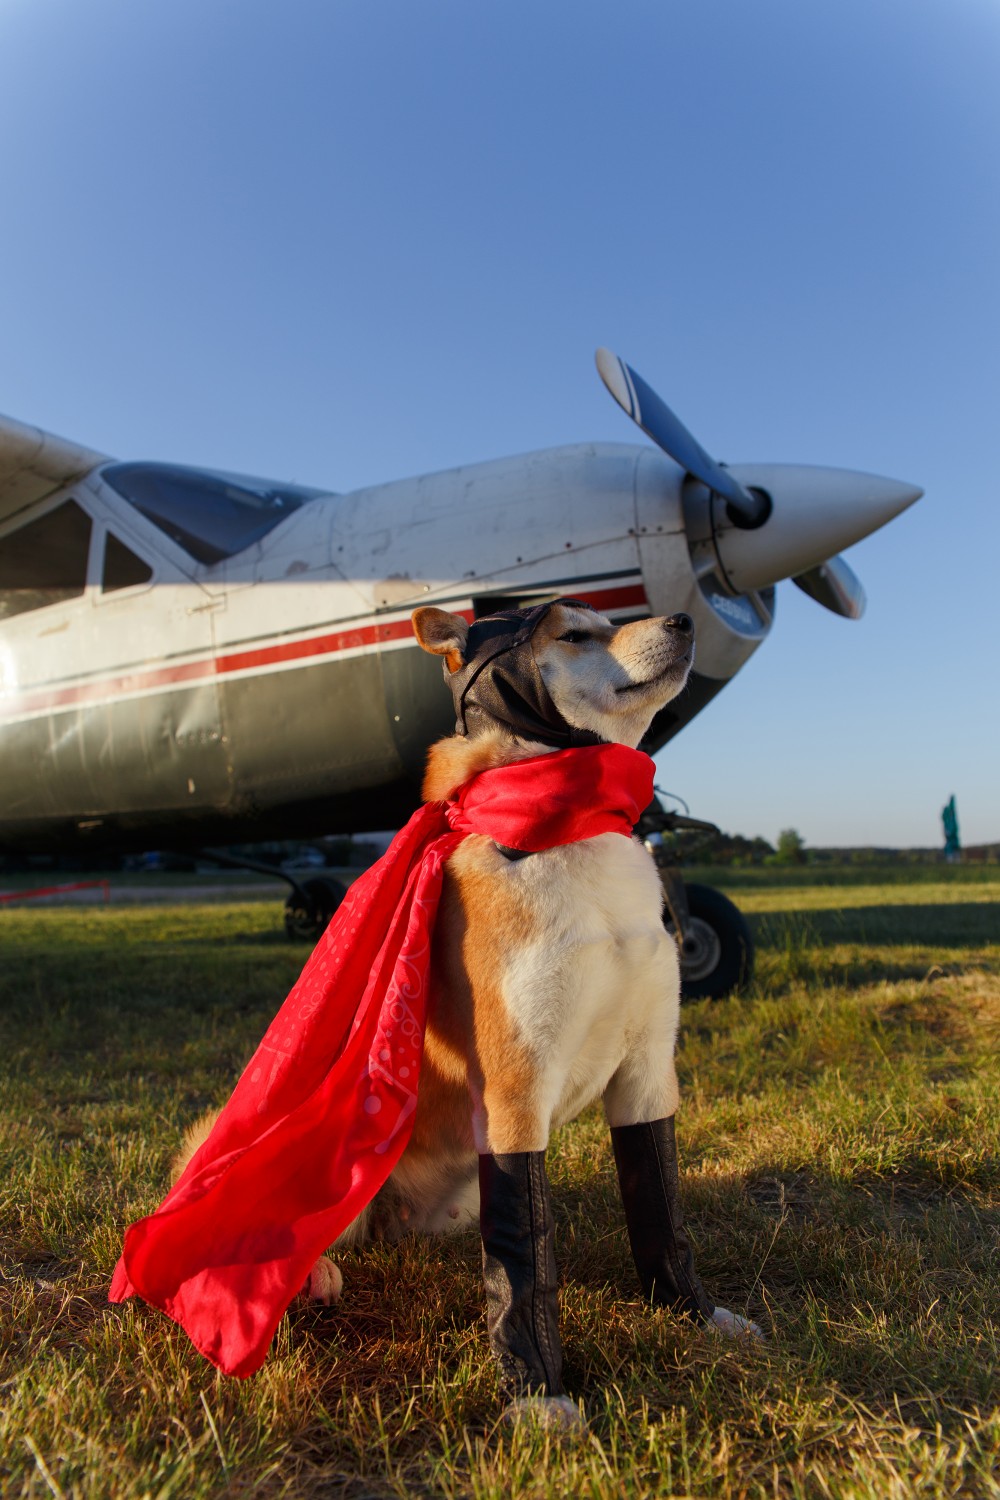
791, 848
705, 848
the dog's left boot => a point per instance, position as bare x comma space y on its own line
646, 1158
519, 1268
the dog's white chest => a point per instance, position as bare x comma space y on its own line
596, 979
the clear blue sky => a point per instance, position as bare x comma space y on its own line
344, 242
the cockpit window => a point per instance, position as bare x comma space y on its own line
211, 515
44, 561
122, 569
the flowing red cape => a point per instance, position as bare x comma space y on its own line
325, 1107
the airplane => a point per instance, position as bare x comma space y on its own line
191, 657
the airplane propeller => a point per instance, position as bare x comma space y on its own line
836, 586
831, 583
650, 412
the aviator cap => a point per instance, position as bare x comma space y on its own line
500, 682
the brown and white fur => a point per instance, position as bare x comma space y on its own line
554, 982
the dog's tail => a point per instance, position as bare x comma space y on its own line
193, 1137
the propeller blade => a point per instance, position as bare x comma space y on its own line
650, 412
834, 585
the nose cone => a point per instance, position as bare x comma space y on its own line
815, 513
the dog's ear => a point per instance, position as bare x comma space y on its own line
441, 634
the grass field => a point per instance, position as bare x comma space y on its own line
839, 1135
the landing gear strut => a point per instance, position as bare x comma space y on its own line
310, 904
714, 942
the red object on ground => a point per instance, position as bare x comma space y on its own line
57, 890
325, 1107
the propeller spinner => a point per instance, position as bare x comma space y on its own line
812, 508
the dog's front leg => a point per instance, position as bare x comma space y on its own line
646, 1158
519, 1269
640, 1102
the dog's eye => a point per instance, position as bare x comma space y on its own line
574, 637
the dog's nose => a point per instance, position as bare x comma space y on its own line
683, 623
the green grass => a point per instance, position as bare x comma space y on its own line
752, 877
839, 1134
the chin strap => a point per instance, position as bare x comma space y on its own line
519, 1268
512, 854
646, 1158
499, 684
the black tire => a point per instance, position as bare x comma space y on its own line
717, 957
307, 915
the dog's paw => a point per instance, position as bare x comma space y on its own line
555, 1412
733, 1326
325, 1282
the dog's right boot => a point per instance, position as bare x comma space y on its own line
646, 1158
519, 1269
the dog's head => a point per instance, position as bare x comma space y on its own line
559, 673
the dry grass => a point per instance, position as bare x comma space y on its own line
840, 1135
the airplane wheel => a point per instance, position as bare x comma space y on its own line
717, 954
306, 920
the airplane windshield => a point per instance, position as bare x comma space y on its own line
211, 515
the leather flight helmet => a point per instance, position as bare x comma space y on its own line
500, 683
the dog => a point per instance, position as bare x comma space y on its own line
553, 984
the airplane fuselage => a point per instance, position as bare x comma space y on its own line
165, 700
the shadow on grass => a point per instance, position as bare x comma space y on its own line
947, 925
856, 972
872, 1290
277, 938
886, 1284
867, 1285
858, 946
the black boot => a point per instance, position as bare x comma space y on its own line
519, 1268
646, 1158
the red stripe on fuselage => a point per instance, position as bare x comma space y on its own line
358, 638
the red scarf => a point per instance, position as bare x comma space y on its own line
325, 1107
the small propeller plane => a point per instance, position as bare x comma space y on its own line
190, 657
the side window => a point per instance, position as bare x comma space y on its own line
122, 568
44, 561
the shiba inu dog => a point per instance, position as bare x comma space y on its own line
553, 984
